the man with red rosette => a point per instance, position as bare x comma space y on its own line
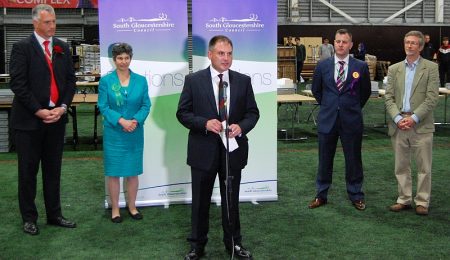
43, 81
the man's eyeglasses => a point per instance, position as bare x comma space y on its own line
411, 43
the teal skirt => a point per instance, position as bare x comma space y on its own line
123, 152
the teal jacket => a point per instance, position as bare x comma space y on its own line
114, 104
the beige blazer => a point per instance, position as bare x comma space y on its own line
424, 94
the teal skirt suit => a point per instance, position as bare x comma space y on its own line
123, 151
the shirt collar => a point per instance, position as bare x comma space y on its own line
41, 40
215, 73
414, 64
346, 59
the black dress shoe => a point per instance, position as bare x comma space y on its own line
61, 222
137, 216
116, 219
30, 228
194, 254
359, 204
240, 252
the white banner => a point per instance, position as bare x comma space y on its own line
252, 26
157, 31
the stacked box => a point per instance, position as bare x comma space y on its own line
372, 63
89, 58
286, 63
4, 132
286, 69
285, 86
6, 96
374, 88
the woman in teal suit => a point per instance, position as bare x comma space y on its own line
124, 103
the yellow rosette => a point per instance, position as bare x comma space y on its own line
355, 75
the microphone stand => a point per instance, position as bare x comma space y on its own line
228, 178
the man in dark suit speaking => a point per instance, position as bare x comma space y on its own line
43, 81
202, 109
341, 85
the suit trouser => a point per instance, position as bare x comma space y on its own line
202, 188
34, 147
444, 73
351, 144
420, 146
299, 69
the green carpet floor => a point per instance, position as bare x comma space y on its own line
285, 229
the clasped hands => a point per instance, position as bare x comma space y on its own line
406, 123
215, 126
50, 116
128, 125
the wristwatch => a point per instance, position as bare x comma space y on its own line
64, 106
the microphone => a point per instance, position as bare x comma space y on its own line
225, 86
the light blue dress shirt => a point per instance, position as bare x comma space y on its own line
409, 78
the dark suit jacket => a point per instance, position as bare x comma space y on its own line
348, 102
30, 81
197, 105
300, 52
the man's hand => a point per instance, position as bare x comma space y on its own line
406, 123
50, 116
214, 125
235, 130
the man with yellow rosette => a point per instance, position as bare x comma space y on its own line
341, 85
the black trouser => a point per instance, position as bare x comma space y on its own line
299, 69
202, 188
34, 147
444, 73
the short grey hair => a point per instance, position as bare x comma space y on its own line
419, 35
120, 48
36, 12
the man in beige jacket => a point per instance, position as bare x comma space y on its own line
412, 94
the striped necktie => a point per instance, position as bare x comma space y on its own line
341, 76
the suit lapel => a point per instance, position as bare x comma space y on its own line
209, 91
418, 75
130, 83
401, 80
38, 50
234, 83
330, 74
349, 77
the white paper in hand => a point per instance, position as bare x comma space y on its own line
233, 145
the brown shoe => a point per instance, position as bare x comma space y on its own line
317, 202
359, 204
397, 207
421, 210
